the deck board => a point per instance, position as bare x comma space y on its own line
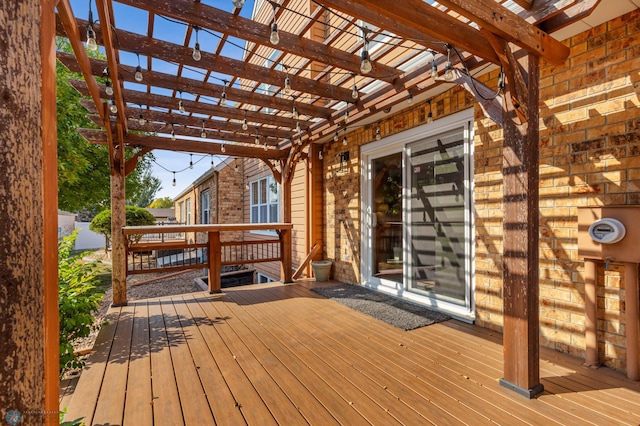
276, 354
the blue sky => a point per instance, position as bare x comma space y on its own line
135, 20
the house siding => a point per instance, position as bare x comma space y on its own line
589, 156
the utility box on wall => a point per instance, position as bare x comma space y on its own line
609, 233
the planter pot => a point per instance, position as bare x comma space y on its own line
321, 269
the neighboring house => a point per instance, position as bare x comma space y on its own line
162, 216
417, 212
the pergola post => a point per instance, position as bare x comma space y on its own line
286, 255
28, 219
118, 218
520, 240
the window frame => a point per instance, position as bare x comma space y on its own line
268, 204
205, 207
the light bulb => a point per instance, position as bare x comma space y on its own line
344, 141
174, 181
181, 107
223, 149
354, 92
238, 3
265, 146
448, 74
91, 39
365, 65
335, 137
138, 75
109, 88
173, 135
245, 126
298, 126
203, 134
191, 161
113, 108
287, 86
430, 117
320, 157
295, 113
196, 52
434, 70
141, 120
378, 136
409, 98
275, 37
346, 117
257, 140
223, 99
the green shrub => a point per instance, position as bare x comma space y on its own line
77, 300
136, 216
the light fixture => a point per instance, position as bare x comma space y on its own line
174, 178
181, 105
203, 134
320, 156
235, 167
173, 133
245, 126
298, 128
108, 88
336, 136
138, 75
344, 139
434, 69
274, 38
196, 49
365, 64
265, 146
287, 84
430, 114
300, 140
378, 135
346, 117
223, 95
211, 155
92, 46
141, 120
113, 108
295, 113
409, 98
500, 80
191, 161
238, 3
448, 73
223, 149
354, 92
257, 138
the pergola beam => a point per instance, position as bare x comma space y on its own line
183, 145
214, 19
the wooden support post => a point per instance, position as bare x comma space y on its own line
50, 207
28, 217
631, 316
521, 219
214, 258
591, 310
118, 221
286, 255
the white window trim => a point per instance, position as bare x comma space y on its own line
206, 207
188, 211
270, 233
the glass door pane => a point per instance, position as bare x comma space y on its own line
439, 250
387, 217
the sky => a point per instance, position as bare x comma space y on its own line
133, 20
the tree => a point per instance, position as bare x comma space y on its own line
83, 168
136, 216
162, 203
144, 193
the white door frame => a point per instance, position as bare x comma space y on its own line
398, 143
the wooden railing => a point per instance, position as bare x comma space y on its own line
146, 257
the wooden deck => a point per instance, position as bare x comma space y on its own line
276, 354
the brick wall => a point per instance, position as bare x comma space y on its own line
589, 155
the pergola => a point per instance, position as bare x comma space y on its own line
430, 46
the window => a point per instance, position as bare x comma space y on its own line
265, 200
262, 279
188, 211
204, 202
181, 211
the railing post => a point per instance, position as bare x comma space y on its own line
214, 259
286, 261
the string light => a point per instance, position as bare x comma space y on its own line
203, 134
365, 64
109, 88
173, 133
196, 49
92, 45
500, 80
141, 120
223, 96
181, 104
265, 146
274, 38
320, 157
378, 135
245, 126
409, 98
174, 178
287, 83
138, 75
113, 108
344, 139
298, 128
346, 117
257, 138
448, 73
430, 114
223, 149
354, 92
238, 3
295, 114
434, 69
336, 136
191, 161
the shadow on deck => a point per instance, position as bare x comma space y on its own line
280, 354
